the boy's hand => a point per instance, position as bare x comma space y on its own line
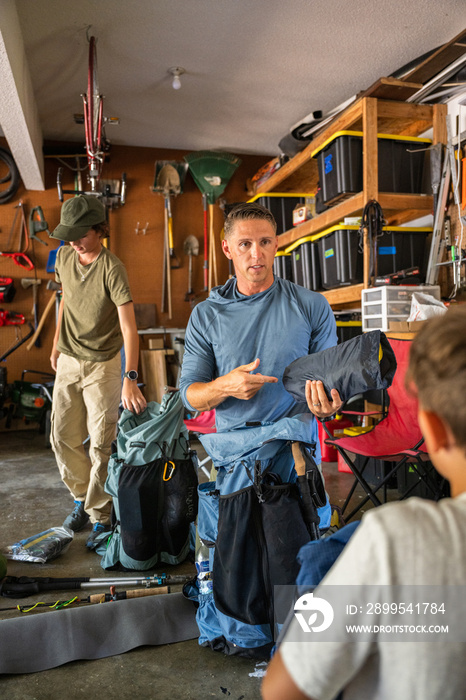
132, 398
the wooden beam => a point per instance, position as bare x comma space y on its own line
370, 172
344, 295
18, 111
404, 110
440, 124
439, 59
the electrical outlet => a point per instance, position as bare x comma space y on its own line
447, 231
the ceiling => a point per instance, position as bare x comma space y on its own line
253, 67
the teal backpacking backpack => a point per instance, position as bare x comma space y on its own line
152, 479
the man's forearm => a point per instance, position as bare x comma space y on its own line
205, 397
241, 383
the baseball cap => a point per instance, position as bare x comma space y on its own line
78, 215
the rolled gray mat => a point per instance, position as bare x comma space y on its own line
50, 639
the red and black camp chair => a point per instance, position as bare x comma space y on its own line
397, 438
203, 423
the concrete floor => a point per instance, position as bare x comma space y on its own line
34, 499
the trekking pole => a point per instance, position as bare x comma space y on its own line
93, 599
14, 587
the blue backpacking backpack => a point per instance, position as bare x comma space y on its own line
152, 479
252, 520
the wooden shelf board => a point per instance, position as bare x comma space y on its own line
402, 118
399, 208
344, 295
325, 220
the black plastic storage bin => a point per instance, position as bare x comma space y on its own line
408, 478
346, 330
401, 162
341, 260
282, 265
281, 205
305, 264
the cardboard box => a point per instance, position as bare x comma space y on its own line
405, 326
301, 213
155, 343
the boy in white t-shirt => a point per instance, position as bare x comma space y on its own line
414, 542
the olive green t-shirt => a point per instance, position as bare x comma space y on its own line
90, 329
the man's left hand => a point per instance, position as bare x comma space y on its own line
132, 398
318, 402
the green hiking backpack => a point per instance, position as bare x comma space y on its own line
152, 479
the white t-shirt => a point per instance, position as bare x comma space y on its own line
416, 542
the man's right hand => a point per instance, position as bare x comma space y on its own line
242, 384
239, 384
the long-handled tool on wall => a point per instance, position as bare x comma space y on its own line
33, 282
191, 247
169, 180
211, 171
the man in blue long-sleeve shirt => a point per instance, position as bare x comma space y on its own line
239, 341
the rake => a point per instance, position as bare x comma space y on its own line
211, 171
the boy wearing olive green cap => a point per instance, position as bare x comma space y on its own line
96, 318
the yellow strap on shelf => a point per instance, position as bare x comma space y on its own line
352, 227
394, 137
281, 194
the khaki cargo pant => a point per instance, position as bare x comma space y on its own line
86, 396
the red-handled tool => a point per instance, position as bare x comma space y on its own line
20, 259
11, 318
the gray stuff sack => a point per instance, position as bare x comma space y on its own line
364, 363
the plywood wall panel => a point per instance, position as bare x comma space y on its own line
142, 254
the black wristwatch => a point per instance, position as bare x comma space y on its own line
132, 375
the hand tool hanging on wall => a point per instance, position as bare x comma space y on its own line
211, 171
169, 179
191, 247
37, 223
10, 318
206, 243
19, 257
55, 298
26, 283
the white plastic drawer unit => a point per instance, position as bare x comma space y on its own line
380, 305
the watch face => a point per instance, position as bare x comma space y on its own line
132, 374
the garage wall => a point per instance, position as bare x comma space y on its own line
142, 254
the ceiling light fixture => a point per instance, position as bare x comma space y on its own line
175, 73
